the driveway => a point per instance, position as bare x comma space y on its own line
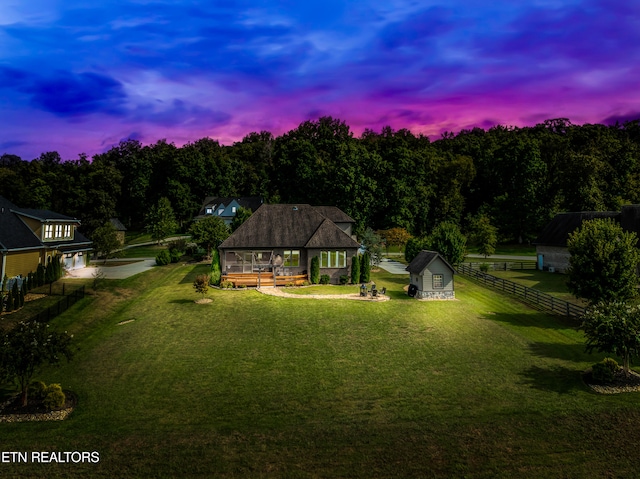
114, 272
394, 267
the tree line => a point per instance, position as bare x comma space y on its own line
516, 179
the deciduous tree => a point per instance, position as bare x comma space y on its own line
26, 348
603, 262
161, 221
209, 232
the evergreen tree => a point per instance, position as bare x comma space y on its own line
215, 273
365, 267
355, 269
314, 276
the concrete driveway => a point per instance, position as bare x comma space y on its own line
394, 267
114, 272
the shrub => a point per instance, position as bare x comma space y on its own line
290, 284
226, 284
201, 284
163, 258
484, 267
315, 270
175, 255
305, 283
215, 273
344, 279
605, 370
9, 307
53, 397
37, 389
325, 279
365, 268
355, 269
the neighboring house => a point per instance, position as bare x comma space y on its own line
551, 245
29, 237
120, 229
227, 207
282, 239
431, 276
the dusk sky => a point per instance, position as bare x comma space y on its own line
80, 76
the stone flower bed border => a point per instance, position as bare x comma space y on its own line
58, 415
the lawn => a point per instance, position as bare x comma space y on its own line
554, 284
258, 386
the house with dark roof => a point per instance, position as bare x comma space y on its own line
431, 276
121, 230
551, 244
227, 207
282, 239
29, 237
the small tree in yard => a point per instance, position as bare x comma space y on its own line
201, 284
613, 328
603, 261
161, 220
105, 240
484, 235
215, 273
209, 232
26, 348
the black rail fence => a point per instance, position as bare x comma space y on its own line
531, 296
504, 266
69, 297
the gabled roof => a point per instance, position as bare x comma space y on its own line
14, 233
335, 214
422, 261
117, 224
288, 226
250, 202
558, 229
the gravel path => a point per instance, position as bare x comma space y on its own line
271, 291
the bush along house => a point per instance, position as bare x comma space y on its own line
280, 240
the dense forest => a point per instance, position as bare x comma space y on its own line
517, 177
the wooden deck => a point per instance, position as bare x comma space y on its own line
266, 279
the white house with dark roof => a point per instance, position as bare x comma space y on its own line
282, 239
29, 237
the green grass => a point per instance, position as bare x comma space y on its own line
256, 386
554, 284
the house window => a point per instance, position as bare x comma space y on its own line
58, 231
438, 281
209, 211
48, 231
220, 211
67, 231
233, 209
333, 259
292, 258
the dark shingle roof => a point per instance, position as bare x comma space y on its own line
14, 233
335, 214
117, 224
287, 225
558, 229
45, 215
423, 259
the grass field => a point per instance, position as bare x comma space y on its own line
255, 386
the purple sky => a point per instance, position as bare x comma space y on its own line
79, 76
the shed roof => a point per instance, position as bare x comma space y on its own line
423, 259
288, 225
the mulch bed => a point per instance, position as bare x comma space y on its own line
620, 384
12, 410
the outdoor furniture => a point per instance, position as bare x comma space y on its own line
383, 290
374, 293
363, 290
